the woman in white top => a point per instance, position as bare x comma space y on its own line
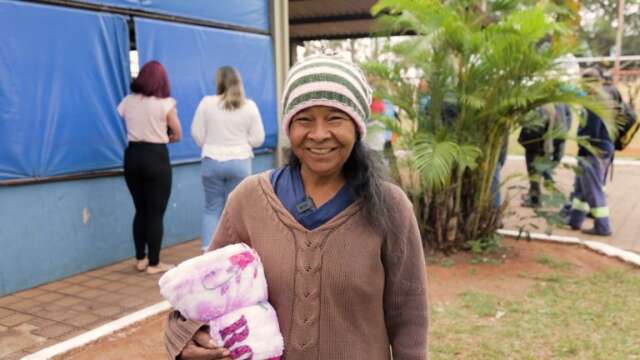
152, 121
226, 126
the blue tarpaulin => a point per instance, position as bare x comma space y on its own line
62, 74
192, 54
247, 13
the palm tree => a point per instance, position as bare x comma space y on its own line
486, 71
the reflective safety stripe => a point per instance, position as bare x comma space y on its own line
577, 204
601, 212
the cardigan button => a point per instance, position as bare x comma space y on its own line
305, 344
307, 268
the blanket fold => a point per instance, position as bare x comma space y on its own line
227, 289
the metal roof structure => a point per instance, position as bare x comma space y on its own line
329, 19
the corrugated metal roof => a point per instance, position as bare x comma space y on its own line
329, 19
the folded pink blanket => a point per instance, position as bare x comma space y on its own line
244, 332
227, 289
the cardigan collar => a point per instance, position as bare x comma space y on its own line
285, 216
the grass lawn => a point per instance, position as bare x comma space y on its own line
563, 316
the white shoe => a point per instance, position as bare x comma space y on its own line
141, 265
160, 268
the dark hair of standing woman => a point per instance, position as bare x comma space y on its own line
365, 175
152, 81
229, 87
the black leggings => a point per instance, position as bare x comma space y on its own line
147, 171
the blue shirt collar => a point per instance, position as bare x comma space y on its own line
288, 186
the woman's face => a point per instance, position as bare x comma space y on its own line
322, 138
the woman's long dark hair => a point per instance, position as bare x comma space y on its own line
365, 175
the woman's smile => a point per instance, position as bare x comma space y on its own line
320, 151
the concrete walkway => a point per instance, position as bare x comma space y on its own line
34, 319
623, 195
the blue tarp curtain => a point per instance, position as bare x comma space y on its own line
63, 73
247, 13
192, 54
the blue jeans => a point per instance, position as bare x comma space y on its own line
219, 178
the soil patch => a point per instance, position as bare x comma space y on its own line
142, 340
511, 271
508, 273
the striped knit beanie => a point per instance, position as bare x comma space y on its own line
327, 81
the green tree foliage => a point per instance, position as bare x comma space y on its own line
598, 32
492, 68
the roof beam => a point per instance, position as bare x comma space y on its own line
330, 19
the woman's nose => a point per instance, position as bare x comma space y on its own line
320, 131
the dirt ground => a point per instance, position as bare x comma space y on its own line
510, 272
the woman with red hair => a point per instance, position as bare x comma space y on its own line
152, 121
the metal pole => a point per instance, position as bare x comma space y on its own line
616, 68
280, 31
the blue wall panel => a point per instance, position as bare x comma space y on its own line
63, 72
247, 13
192, 54
54, 230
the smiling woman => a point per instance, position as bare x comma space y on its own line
322, 139
340, 246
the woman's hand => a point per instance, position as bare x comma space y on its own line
201, 347
172, 137
173, 123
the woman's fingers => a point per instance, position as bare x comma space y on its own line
195, 352
203, 339
203, 346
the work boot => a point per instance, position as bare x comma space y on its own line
573, 226
595, 232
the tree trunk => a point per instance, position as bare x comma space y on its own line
616, 68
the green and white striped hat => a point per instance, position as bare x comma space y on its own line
327, 81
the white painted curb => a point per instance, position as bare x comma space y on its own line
602, 248
95, 334
538, 236
613, 251
572, 160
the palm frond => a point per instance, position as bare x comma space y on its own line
494, 68
434, 161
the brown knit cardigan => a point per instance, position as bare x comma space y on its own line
342, 290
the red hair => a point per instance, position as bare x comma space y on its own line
152, 81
